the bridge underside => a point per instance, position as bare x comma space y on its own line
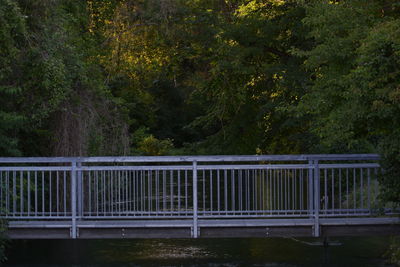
207, 228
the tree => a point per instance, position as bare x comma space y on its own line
68, 107
353, 96
12, 40
254, 80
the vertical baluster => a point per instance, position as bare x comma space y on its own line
50, 192
28, 193
186, 192
317, 194
123, 193
179, 192
2, 187
43, 197
286, 186
157, 192
310, 187
80, 189
57, 195
259, 190
280, 189
218, 191
101, 194
96, 191
14, 193
294, 190
233, 195
274, 190
325, 200
354, 191
333, 191
195, 228
64, 188
286, 191
369, 189
283, 190
246, 189
270, 187
301, 186
21, 189
340, 190
130, 192
104, 183
376, 182
254, 191
142, 192
240, 191
150, 175
115, 192
135, 191
204, 192
277, 191
89, 212
263, 191
119, 193
8, 193
361, 188
226, 191
73, 199
109, 193
211, 192
172, 191
347, 191
164, 192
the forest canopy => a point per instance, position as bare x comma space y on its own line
157, 77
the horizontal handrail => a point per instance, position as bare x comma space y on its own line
166, 159
189, 167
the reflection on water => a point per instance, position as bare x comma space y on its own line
365, 251
126, 251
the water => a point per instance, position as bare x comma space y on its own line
360, 251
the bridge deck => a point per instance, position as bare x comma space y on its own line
207, 228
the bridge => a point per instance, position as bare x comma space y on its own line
193, 196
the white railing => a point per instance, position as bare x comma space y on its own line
189, 187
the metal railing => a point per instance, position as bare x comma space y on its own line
189, 188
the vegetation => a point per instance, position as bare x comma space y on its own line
393, 253
3, 240
154, 77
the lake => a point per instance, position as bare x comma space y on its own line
345, 251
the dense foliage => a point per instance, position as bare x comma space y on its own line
153, 77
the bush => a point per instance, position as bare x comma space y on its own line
151, 146
391, 165
393, 254
3, 240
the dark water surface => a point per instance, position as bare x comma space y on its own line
360, 251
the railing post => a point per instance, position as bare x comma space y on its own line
311, 188
73, 199
316, 198
80, 189
195, 208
